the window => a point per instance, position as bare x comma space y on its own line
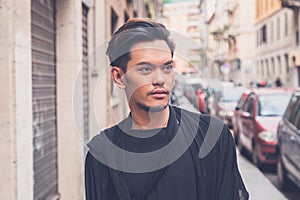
264, 34
286, 27
272, 31
251, 105
290, 108
270, 106
286, 57
279, 63
240, 102
267, 67
297, 37
273, 65
296, 116
128, 2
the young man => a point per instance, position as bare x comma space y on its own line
159, 152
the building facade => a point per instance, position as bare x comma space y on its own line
231, 39
242, 41
277, 41
183, 18
56, 92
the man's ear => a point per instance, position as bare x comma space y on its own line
117, 75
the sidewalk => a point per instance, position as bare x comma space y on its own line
258, 186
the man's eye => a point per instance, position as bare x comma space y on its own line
167, 67
145, 69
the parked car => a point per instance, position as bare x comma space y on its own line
225, 102
240, 104
201, 99
257, 122
209, 100
190, 89
288, 164
177, 90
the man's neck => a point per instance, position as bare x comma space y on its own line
142, 119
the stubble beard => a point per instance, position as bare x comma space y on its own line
156, 108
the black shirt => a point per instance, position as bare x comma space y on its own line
194, 176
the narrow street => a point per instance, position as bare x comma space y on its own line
71, 69
261, 185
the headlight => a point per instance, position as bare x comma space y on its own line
268, 136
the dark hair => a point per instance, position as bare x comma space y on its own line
134, 31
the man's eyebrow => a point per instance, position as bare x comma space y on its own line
144, 63
151, 64
169, 62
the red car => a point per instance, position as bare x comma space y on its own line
225, 103
257, 120
201, 97
240, 103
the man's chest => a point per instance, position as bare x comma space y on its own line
177, 181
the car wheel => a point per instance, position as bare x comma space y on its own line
282, 178
255, 158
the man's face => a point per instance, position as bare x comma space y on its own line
149, 76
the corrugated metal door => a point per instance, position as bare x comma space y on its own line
44, 99
85, 71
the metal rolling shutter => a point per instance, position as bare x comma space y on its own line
44, 99
85, 72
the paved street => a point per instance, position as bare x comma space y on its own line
259, 187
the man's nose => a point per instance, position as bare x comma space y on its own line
158, 78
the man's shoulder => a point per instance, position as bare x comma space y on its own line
196, 116
105, 133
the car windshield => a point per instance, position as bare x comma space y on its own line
273, 104
231, 94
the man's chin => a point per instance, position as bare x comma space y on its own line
153, 108
157, 108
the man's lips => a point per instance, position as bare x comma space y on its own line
159, 93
